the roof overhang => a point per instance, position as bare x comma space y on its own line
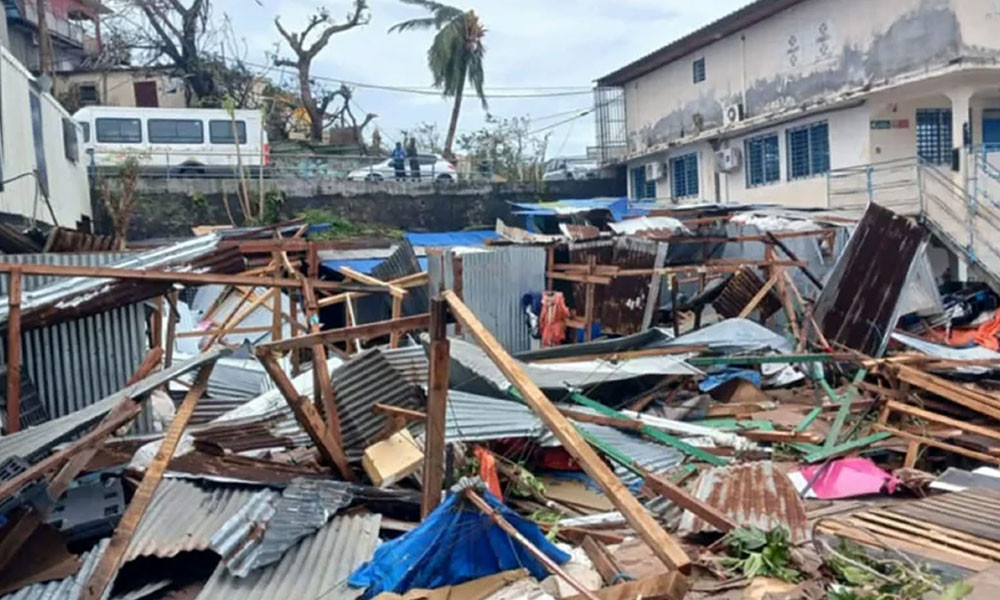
728, 25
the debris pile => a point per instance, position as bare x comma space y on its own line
602, 402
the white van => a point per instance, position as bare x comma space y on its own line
184, 141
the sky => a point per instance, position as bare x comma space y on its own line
532, 47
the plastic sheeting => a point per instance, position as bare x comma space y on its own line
455, 543
947, 352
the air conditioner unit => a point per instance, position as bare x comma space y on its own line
733, 114
728, 160
654, 171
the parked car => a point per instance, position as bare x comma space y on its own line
432, 168
561, 169
189, 141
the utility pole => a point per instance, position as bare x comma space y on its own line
44, 39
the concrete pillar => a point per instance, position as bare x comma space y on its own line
960, 123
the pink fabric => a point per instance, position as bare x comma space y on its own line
848, 478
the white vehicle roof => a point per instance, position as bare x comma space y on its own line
164, 113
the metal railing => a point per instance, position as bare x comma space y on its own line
968, 220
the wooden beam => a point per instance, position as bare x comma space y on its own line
227, 331
988, 432
662, 544
602, 560
236, 316
752, 305
14, 353
679, 496
361, 332
350, 273
585, 417
307, 416
397, 313
666, 586
182, 277
172, 317
782, 437
409, 281
622, 356
512, 531
107, 567
437, 402
405, 413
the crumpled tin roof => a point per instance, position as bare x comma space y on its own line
470, 417
184, 515
64, 589
317, 567
34, 443
753, 495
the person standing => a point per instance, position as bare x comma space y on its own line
411, 153
399, 161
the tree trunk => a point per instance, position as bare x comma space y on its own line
44, 38
453, 126
309, 103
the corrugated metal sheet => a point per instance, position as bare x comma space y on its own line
410, 362
470, 417
261, 533
493, 284
77, 362
753, 495
859, 304
183, 516
742, 287
621, 306
359, 384
316, 568
402, 262
64, 589
34, 443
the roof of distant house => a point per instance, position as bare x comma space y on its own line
727, 25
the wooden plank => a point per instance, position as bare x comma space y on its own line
588, 310
172, 317
360, 332
237, 316
988, 432
938, 534
405, 413
912, 454
227, 331
666, 586
182, 277
617, 422
620, 356
397, 313
107, 567
662, 544
276, 314
437, 402
752, 305
941, 445
307, 416
409, 281
323, 381
350, 273
679, 496
782, 437
14, 352
945, 555
602, 560
293, 309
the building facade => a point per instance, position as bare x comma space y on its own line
119, 86
760, 106
43, 173
74, 26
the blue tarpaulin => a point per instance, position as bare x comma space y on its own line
717, 378
364, 265
455, 543
618, 207
452, 238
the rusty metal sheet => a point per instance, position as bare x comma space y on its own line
742, 287
858, 307
620, 307
753, 495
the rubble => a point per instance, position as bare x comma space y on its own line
315, 419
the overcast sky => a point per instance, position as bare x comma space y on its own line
544, 43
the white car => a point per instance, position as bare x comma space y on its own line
432, 168
561, 169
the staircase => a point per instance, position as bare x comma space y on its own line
968, 222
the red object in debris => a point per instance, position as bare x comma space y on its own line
557, 459
985, 335
846, 478
553, 319
488, 471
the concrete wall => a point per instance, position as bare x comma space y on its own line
170, 208
67, 180
116, 88
813, 51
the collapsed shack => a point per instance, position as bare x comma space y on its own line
696, 404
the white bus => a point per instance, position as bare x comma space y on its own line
183, 141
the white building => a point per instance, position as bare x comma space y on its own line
760, 105
40, 158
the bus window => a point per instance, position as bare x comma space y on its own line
119, 131
221, 132
86, 131
175, 131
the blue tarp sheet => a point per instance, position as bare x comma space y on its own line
363, 265
451, 238
455, 544
618, 207
717, 378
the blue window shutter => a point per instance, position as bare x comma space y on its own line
819, 148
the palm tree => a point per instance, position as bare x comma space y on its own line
456, 54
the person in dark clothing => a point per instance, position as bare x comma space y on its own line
399, 161
411, 153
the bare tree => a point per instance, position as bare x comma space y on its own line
305, 52
120, 203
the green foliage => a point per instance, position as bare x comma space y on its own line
862, 577
341, 228
506, 149
198, 201
273, 201
757, 553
